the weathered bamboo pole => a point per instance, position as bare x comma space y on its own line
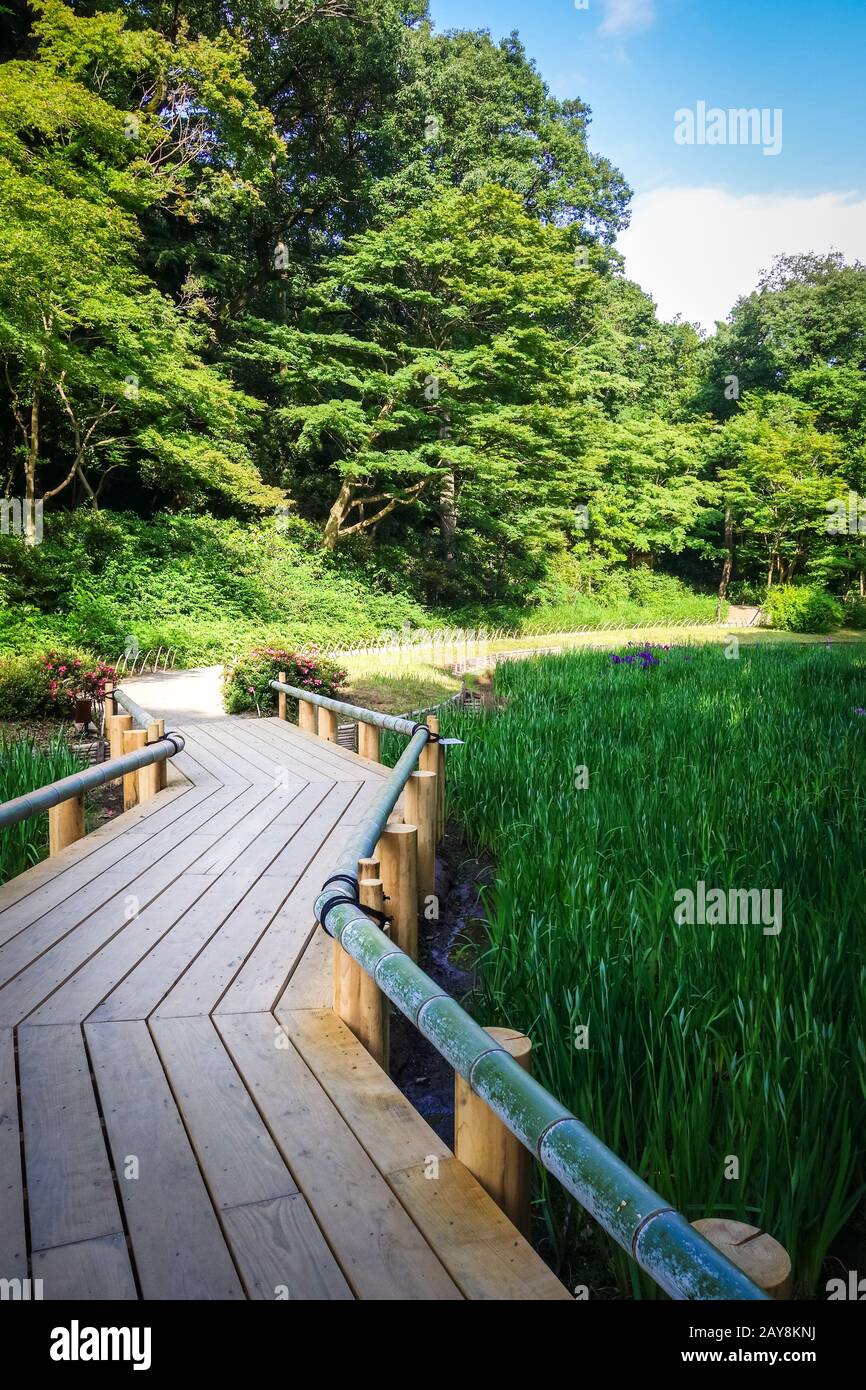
281, 697
65, 824
327, 725
499, 1161
357, 998
398, 853
118, 726
133, 739
757, 1254
420, 811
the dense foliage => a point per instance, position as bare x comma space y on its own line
703, 1041
316, 271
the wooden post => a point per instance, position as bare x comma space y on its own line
65, 824
357, 998
327, 724
398, 852
118, 726
281, 697
490, 1151
420, 804
368, 741
148, 777
757, 1254
109, 704
307, 717
433, 760
133, 739
161, 768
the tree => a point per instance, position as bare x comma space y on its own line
435, 372
98, 363
777, 473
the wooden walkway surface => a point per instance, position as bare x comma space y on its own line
182, 1116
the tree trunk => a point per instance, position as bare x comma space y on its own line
337, 515
448, 514
30, 465
727, 567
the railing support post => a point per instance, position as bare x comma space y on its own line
358, 1001
148, 777
368, 742
307, 717
327, 724
433, 760
109, 707
281, 696
133, 739
161, 768
398, 852
65, 824
118, 726
490, 1151
758, 1255
421, 812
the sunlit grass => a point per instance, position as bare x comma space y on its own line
705, 1042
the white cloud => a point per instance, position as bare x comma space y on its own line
627, 16
696, 250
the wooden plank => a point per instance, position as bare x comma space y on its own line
85, 989
13, 1244
224, 752
262, 978
281, 1252
70, 1189
237, 1156
223, 958
177, 1244
55, 880
390, 1129
306, 751
26, 883
97, 1270
310, 985
484, 1254
379, 1249
36, 977
68, 904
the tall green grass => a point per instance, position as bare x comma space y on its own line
24, 766
705, 1042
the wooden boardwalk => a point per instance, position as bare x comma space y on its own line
182, 1116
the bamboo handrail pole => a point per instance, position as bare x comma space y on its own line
35, 802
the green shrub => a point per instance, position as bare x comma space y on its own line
246, 684
855, 614
25, 688
803, 608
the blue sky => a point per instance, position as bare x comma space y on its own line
636, 62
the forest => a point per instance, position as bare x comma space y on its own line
312, 323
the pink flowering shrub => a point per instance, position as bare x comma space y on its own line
72, 678
246, 683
